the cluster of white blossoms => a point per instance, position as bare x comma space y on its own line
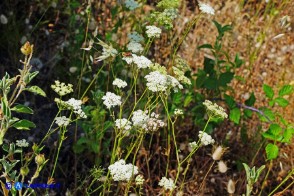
193, 144
120, 171
111, 100
22, 143
214, 110
131, 4
107, 51
178, 112
119, 83
143, 121
205, 8
135, 47
61, 88
153, 31
76, 106
135, 37
139, 180
167, 184
140, 61
62, 121
123, 124
158, 82
205, 138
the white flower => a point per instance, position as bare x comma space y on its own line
205, 8
135, 37
61, 88
121, 171
135, 47
142, 120
22, 143
193, 144
62, 121
205, 138
119, 83
111, 99
167, 183
3, 19
140, 61
178, 112
157, 82
75, 105
107, 51
139, 180
131, 4
214, 110
123, 124
153, 31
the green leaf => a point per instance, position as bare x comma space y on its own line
5, 107
230, 101
268, 113
24, 125
238, 61
177, 98
269, 135
251, 100
31, 76
209, 46
248, 113
275, 129
225, 78
188, 100
286, 90
235, 115
208, 65
269, 92
272, 151
282, 102
22, 109
287, 135
211, 83
37, 90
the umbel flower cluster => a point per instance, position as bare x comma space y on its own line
205, 138
167, 184
61, 88
120, 171
111, 100
145, 122
214, 110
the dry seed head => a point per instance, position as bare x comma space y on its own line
218, 153
231, 187
222, 167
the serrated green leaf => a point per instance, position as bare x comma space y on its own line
22, 109
209, 46
225, 78
275, 129
24, 125
269, 92
269, 135
251, 100
268, 115
235, 115
286, 90
281, 101
37, 90
287, 135
230, 101
272, 151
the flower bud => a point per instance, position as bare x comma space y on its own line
231, 187
24, 171
27, 49
40, 159
222, 167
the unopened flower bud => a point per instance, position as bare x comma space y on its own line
231, 187
40, 159
217, 154
27, 48
24, 171
222, 167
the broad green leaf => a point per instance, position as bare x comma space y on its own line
208, 65
22, 109
248, 113
251, 100
37, 90
211, 83
287, 135
269, 135
286, 90
31, 76
269, 92
275, 129
281, 101
272, 151
225, 78
235, 115
268, 115
230, 101
24, 125
205, 46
